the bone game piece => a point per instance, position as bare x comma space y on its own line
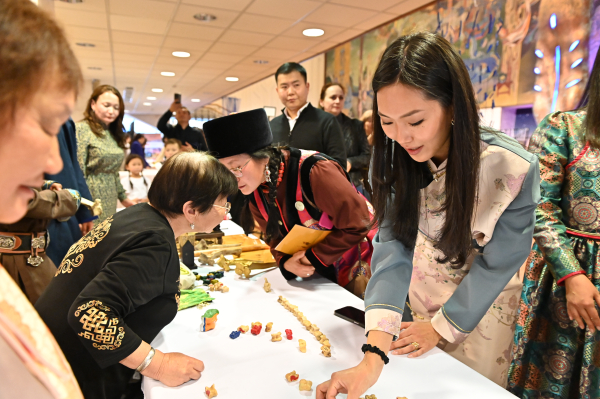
243, 329
305, 385
211, 392
291, 377
302, 344
288, 334
268, 327
276, 337
224, 289
267, 286
326, 350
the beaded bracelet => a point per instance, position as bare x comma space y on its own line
373, 349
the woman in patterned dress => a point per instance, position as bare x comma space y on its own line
100, 148
557, 343
456, 204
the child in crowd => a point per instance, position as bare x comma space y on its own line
135, 184
172, 147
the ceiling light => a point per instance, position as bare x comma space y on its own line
261, 62
195, 100
147, 104
157, 90
167, 73
95, 68
82, 44
232, 79
72, 1
313, 32
151, 98
181, 54
205, 17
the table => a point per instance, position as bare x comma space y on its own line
254, 367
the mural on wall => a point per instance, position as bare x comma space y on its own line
517, 51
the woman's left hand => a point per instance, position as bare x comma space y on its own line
422, 333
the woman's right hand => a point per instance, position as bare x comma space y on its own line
299, 265
354, 381
174, 369
582, 297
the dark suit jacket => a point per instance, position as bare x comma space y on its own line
65, 234
315, 130
190, 135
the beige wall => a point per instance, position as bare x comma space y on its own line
262, 93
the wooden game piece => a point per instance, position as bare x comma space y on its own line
305, 385
268, 327
302, 344
291, 377
211, 392
276, 337
267, 286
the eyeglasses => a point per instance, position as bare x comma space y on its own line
237, 172
227, 206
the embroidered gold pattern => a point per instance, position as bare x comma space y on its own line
177, 299
90, 240
98, 327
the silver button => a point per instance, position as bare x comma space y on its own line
299, 206
280, 223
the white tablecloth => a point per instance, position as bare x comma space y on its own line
254, 367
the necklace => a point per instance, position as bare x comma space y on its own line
438, 174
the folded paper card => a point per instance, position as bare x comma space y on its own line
300, 239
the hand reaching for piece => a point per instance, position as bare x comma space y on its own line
174, 369
299, 265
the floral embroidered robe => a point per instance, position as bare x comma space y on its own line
473, 308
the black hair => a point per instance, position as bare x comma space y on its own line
190, 176
290, 67
130, 158
276, 158
428, 63
591, 103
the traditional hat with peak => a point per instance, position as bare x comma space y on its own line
242, 133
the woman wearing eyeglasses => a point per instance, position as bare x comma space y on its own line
286, 186
118, 286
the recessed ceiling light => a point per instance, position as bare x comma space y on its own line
82, 44
195, 100
72, 1
167, 73
157, 90
151, 98
205, 17
232, 79
181, 54
147, 104
261, 61
95, 68
313, 32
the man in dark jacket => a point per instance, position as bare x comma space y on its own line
64, 234
192, 138
301, 125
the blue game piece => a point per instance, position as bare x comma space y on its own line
234, 334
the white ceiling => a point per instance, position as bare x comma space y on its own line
134, 40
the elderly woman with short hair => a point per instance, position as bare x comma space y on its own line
118, 286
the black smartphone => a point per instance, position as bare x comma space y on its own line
352, 315
178, 98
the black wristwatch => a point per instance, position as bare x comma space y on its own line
373, 349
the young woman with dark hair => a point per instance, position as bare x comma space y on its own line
455, 203
137, 147
557, 340
286, 186
100, 148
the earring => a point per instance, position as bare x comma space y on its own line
192, 226
452, 122
267, 174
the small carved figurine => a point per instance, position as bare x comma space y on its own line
302, 344
209, 320
211, 392
256, 327
293, 376
326, 350
234, 334
267, 286
243, 329
305, 385
276, 337
288, 334
268, 327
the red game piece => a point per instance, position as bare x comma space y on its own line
288, 334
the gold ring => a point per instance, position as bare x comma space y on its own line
416, 345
